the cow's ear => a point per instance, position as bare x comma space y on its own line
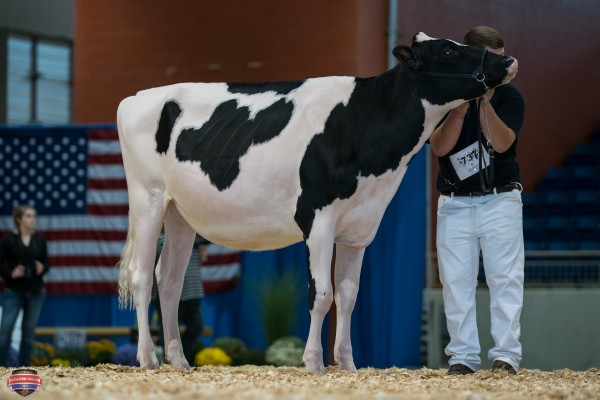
407, 57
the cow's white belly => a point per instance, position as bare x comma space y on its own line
256, 212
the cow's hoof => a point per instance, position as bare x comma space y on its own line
346, 362
313, 360
149, 362
181, 364
348, 365
175, 356
316, 369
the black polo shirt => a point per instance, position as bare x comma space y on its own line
510, 107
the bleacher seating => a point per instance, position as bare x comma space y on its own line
564, 212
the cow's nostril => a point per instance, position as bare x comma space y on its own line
507, 61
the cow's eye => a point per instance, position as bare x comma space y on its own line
448, 52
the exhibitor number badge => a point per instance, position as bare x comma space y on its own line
466, 161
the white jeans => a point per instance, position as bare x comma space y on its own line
494, 224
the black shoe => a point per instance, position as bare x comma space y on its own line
503, 366
459, 369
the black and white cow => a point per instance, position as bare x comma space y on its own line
260, 166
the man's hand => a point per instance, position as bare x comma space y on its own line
461, 110
488, 96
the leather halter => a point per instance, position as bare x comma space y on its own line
478, 74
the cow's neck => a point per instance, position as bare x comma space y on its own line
398, 95
386, 119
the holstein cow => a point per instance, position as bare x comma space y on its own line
260, 166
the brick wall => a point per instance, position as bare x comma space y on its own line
124, 46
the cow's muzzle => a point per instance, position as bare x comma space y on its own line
512, 67
507, 61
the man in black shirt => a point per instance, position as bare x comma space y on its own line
480, 209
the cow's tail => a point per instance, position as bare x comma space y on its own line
125, 292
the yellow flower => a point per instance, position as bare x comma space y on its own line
108, 345
39, 361
93, 349
42, 354
212, 356
103, 346
50, 349
59, 361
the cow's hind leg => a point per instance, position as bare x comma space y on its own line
348, 262
320, 294
145, 226
174, 259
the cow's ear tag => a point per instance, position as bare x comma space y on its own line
407, 57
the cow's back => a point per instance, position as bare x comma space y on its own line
231, 159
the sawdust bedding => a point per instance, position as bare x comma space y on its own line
107, 382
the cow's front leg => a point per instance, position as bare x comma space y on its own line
320, 298
348, 262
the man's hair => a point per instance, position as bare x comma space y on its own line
482, 36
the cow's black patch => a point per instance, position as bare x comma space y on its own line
168, 117
260, 87
368, 136
312, 287
220, 143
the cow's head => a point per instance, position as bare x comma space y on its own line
453, 70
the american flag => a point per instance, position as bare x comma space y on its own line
74, 177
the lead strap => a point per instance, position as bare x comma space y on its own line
486, 177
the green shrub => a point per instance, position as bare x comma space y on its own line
196, 348
285, 351
253, 357
279, 297
235, 348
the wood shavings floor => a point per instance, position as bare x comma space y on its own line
108, 382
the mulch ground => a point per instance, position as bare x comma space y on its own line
107, 382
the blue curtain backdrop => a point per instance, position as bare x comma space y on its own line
386, 323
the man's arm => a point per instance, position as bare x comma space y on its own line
444, 137
501, 135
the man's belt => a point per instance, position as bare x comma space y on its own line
499, 189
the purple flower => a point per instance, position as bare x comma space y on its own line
126, 355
